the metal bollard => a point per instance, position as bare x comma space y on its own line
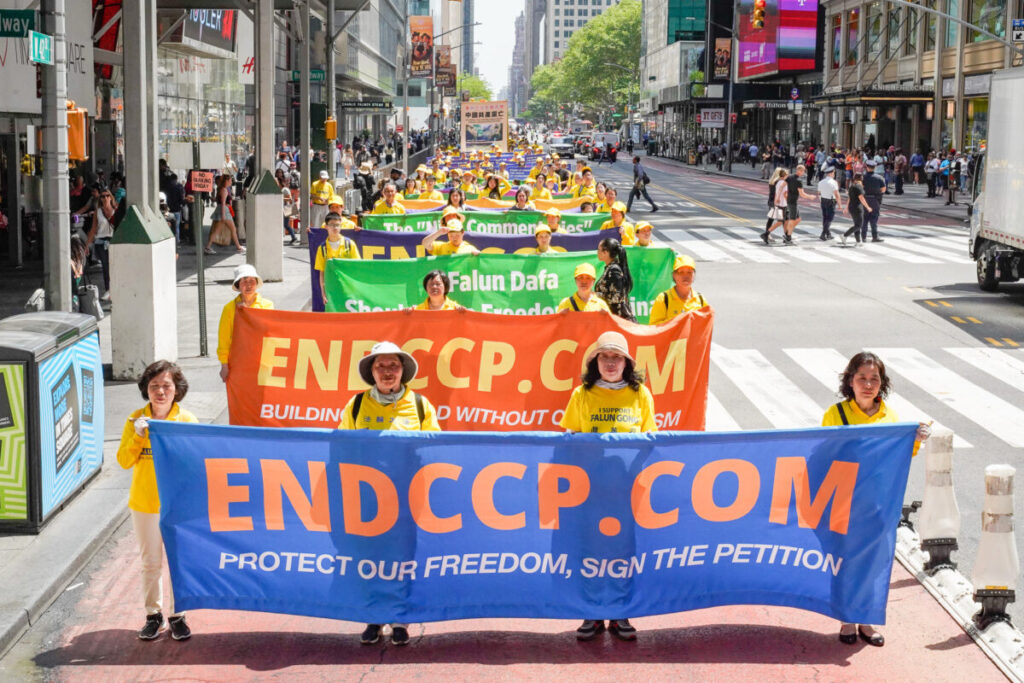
997, 566
938, 522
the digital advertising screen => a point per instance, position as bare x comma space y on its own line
783, 41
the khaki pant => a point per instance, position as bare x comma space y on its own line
151, 549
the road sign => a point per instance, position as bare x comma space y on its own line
16, 23
40, 48
315, 75
202, 181
794, 94
1018, 30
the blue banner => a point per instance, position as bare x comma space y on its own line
414, 527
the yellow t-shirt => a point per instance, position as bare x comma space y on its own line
594, 303
447, 248
855, 416
321, 192
540, 193
381, 207
535, 171
346, 224
346, 249
668, 305
136, 453
470, 188
227, 323
599, 411
448, 305
432, 196
626, 231
399, 416
586, 191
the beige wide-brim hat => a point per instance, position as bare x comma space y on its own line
611, 341
366, 167
243, 271
409, 365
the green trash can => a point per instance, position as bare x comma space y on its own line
51, 414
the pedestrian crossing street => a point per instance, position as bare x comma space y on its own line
917, 244
791, 388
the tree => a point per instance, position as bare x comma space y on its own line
478, 88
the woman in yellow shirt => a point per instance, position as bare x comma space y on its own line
429, 193
164, 386
410, 191
247, 284
389, 404
611, 398
540, 190
455, 244
864, 385
610, 197
437, 284
523, 202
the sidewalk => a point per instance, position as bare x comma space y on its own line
914, 198
34, 570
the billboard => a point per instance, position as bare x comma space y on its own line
723, 58
786, 42
485, 124
421, 31
444, 71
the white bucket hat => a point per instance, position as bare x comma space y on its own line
384, 348
246, 270
610, 341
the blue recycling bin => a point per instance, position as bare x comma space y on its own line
51, 414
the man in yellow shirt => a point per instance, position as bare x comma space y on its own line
247, 283
537, 169
435, 169
553, 217
539, 191
644, 231
542, 234
337, 205
388, 205
627, 233
681, 298
429, 193
468, 184
320, 193
588, 188
388, 404
583, 299
336, 246
455, 244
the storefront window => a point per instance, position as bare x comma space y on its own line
852, 26
837, 40
893, 48
976, 130
952, 28
931, 27
913, 20
874, 28
948, 114
989, 15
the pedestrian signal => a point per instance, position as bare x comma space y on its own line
757, 16
78, 132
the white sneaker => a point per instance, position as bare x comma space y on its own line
105, 297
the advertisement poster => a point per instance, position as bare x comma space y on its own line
444, 73
712, 118
723, 57
13, 480
756, 53
421, 30
485, 124
787, 42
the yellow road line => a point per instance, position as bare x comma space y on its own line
1010, 342
992, 341
959, 320
974, 320
720, 212
932, 304
946, 304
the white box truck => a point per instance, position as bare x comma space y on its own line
997, 215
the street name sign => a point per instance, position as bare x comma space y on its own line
40, 48
16, 23
315, 75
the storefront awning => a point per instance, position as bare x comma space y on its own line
875, 98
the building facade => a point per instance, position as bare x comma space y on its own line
565, 17
906, 77
518, 79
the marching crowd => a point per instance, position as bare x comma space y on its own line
610, 397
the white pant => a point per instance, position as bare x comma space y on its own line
151, 549
317, 215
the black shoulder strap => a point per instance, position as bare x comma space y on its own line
419, 409
664, 298
703, 303
842, 414
572, 300
356, 405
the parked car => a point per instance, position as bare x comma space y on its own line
560, 146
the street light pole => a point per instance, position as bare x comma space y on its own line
732, 77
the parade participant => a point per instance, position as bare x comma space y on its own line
856, 206
523, 202
587, 207
602, 190
440, 177
437, 284
627, 234
583, 299
429, 193
468, 184
503, 170
456, 199
453, 228
553, 218
388, 405
542, 233
644, 230
247, 283
421, 176
864, 385
587, 187
828, 191
492, 188
611, 398
610, 197
337, 205
537, 169
540, 191
451, 212
336, 246
777, 203
616, 283
410, 191
681, 298
388, 204
164, 386
320, 192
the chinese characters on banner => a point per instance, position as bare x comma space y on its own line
421, 30
485, 124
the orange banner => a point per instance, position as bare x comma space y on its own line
483, 372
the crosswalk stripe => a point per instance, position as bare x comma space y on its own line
999, 364
933, 251
825, 365
717, 418
702, 249
774, 395
898, 255
976, 404
795, 251
752, 252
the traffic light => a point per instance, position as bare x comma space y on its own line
757, 16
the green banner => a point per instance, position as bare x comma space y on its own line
486, 222
491, 283
13, 443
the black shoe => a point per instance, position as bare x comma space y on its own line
766, 237
823, 237
371, 634
875, 638
848, 638
654, 209
399, 635
154, 622
788, 241
179, 629
622, 629
877, 239
589, 629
